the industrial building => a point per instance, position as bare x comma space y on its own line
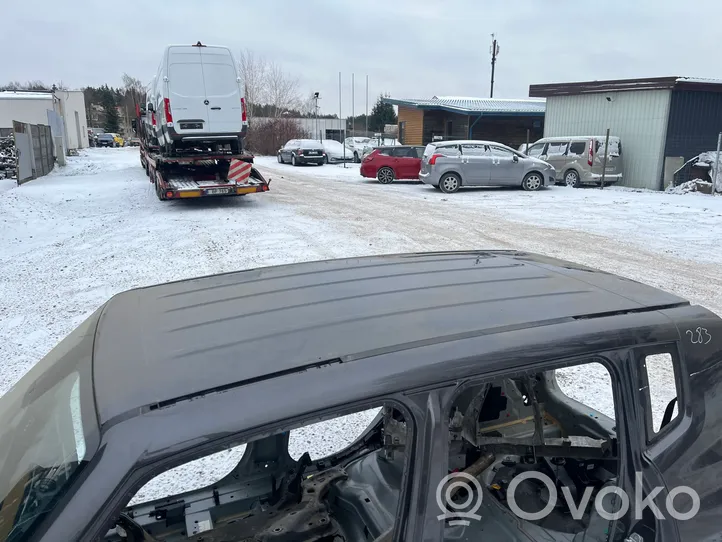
62, 110
662, 122
507, 121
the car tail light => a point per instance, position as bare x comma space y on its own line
433, 158
590, 153
168, 116
244, 117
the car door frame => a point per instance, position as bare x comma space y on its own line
287, 149
441, 400
114, 476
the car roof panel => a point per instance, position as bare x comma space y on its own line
176, 339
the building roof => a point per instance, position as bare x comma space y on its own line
617, 85
182, 339
475, 106
14, 95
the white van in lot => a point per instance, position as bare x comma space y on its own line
197, 99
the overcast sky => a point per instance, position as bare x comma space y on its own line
408, 48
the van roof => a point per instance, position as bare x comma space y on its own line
565, 138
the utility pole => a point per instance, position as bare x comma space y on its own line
494, 53
353, 120
367, 107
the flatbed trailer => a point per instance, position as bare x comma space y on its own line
199, 174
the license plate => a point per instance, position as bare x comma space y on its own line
214, 191
313, 153
610, 170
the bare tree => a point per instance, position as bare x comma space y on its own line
135, 88
282, 91
254, 71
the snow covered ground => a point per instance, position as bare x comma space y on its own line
72, 239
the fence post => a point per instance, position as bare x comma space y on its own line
716, 164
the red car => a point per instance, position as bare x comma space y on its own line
395, 162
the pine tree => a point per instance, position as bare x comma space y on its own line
381, 114
108, 101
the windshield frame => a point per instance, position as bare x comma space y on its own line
70, 357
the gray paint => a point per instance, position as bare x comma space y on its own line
639, 118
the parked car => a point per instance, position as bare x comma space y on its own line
376, 142
106, 140
465, 363
357, 144
389, 163
302, 151
336, 151
198, 99
134, 142
118, 139
449, 165
580, 159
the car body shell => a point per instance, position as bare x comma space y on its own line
166, 369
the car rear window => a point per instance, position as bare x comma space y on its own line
220, 80
187, 80
429, 150
310, 144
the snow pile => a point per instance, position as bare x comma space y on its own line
97, 160
691, 186
709, 159
8, 157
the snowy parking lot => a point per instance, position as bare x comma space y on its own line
72, 239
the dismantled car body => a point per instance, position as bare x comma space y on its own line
473, 360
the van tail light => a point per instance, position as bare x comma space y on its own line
244, 117
168, 116
432, 160
590, 153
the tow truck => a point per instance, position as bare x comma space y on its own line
196, 173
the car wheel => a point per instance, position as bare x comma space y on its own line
532, 182
449, 183
280, 160
325, 159
355, 158
385, 175
571, 179
293, 160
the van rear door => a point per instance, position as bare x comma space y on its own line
223, 91
614, 156
186, 91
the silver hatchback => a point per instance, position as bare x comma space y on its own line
449, 165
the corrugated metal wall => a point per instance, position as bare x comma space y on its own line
639, 118
695, 121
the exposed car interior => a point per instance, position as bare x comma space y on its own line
502, 429
349, 496
497, 431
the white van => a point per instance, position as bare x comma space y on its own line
197, 99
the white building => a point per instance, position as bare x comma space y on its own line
72, 109
45, 108
29, 107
